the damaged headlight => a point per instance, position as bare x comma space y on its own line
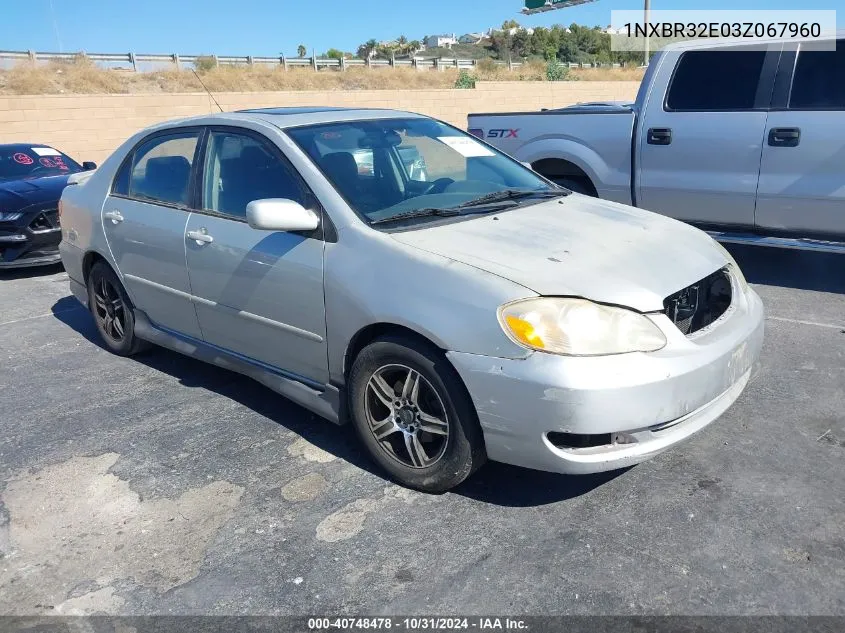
733, 267
577, 327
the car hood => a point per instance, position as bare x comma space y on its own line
580, 246
16, 195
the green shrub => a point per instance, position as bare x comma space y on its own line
555, 71
205, 63
465, 81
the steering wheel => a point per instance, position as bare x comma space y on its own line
438, 186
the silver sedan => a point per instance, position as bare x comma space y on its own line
386, 269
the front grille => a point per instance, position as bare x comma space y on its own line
45, 221
701, 304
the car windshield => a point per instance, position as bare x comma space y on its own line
19, 162
417, 168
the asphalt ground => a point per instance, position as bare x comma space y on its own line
160, 485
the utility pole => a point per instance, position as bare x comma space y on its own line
646, 13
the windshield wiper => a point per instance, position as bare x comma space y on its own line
417, 213
512, 194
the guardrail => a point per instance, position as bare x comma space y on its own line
135, 61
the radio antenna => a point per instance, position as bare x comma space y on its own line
206, 89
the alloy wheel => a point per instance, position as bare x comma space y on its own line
406, 416
110, 310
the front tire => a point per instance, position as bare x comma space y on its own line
414, 415
112, 311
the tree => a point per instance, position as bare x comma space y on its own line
502, 43
301, 50
521, 43
507, 25
368, 49
334, 53
414, 47
402, 43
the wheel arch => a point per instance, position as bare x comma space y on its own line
569, 156
557, 168
370, 333
88, 261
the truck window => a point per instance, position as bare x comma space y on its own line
716, 80
818, 83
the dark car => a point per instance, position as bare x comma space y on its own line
32, 177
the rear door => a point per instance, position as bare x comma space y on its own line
802, 175
699, 147
257, 293
144, 221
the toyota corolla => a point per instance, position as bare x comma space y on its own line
459, 310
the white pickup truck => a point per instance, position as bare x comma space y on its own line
747, 142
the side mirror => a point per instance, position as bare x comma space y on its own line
89, 166
279, 214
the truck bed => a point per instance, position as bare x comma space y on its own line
597, 137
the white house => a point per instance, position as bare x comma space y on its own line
472, 38
440, 41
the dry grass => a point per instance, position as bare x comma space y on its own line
81, 76
607, 74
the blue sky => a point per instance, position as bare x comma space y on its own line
268, 27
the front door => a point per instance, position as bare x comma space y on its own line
802, 175
257, 293
699, 150
144, 220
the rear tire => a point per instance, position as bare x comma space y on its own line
414, 415
113, 311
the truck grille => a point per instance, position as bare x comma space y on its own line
701, 304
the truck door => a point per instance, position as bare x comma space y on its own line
802, 174
699, 147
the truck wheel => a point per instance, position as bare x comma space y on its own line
112, 311
576, 185
414, 415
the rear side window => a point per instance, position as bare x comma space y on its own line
819, 82
716, 80
159, 170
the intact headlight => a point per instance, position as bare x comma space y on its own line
577, 327
9, 216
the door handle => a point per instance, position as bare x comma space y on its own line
784, 137
201, 237
114, 216
659, 136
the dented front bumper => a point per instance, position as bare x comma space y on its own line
629, 407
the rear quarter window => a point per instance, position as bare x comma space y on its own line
715, 80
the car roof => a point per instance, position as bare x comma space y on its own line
289, 117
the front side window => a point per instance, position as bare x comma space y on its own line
392, 168
819, 81
716, 80
24, 162
239, 169
160, 170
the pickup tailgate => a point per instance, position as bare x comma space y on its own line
595, 137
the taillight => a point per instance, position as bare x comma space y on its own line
476, 132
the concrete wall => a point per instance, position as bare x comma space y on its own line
89, 127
